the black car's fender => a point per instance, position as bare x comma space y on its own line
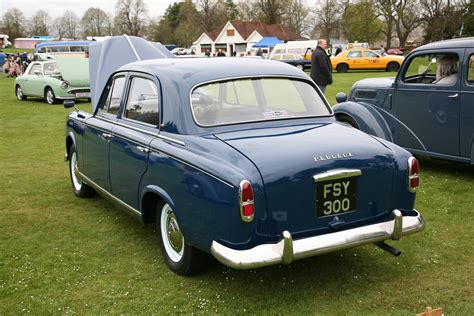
365, 116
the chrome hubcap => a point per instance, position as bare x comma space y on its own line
19, 93
76, 178
49, 96
172, 237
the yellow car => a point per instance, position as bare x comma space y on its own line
365, 59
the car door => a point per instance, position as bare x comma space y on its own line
372, 60
354, 59
430, 112
98, 133
467, 106
32, 79
135, 129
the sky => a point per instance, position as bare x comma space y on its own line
156, 8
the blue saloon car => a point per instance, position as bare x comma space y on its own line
241, 158
428, 108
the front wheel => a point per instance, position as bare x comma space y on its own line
80, 189
49, 96
19, 93
179, 256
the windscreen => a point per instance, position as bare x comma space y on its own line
262, 99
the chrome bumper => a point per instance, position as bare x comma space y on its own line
287, 250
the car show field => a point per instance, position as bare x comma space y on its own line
61, 254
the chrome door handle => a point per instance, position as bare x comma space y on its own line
453, 96
143, 149
106, 135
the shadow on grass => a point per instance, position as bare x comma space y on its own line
462, 170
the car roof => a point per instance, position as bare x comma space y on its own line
451, 43
198, 70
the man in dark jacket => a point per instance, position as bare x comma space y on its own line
321, 68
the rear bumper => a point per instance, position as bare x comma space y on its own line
287, 250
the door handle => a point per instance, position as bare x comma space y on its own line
453, 96
143, 149
106, 136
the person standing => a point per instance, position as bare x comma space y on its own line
321, 67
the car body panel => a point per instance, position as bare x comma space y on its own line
198, 170
425, 118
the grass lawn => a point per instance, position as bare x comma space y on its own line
60, 254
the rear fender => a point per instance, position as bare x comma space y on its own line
368, 119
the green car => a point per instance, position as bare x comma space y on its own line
53, 80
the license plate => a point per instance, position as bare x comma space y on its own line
335, 197
83, 95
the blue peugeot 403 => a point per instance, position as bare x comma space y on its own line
238, 157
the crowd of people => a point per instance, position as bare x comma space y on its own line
13, 65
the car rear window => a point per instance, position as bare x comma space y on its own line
262, 99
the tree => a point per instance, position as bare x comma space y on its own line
443, 19
13, 24
213, 13
469, 21
71, 24
386, 9
187, 32
248, 10
95, 22
361, 22
270, 11
130, 16
232, 10
296, 16
327, 17
39, 23
408, 17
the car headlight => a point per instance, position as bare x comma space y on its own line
64, 84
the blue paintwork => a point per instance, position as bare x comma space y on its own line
430, 120
200, 179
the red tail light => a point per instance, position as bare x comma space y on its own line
246, 201
413, 174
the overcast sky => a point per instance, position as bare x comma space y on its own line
56, 8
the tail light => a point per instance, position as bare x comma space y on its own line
246, 201
413, 174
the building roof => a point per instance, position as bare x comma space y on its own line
245, 29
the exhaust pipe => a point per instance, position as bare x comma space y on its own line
390, 249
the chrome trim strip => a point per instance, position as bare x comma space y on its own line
287, 249
328, 106
126, 126
172, 140
336, 174
110, 197
156, 151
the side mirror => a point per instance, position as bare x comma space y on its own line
69, 104
341, 97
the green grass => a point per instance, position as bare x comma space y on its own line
60, 254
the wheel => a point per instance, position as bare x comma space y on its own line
347, 120
342, 67
392, 66
49, 96
301, 67
19, 93
179, 256
80, 189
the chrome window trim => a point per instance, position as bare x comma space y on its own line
331, 112
160, 152
163, 137
111, 197
336, 174
128, 126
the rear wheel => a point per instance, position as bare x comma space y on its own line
392, 66
19, 93
49, 96
347, 120
179, 256
342, 67
80, 189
